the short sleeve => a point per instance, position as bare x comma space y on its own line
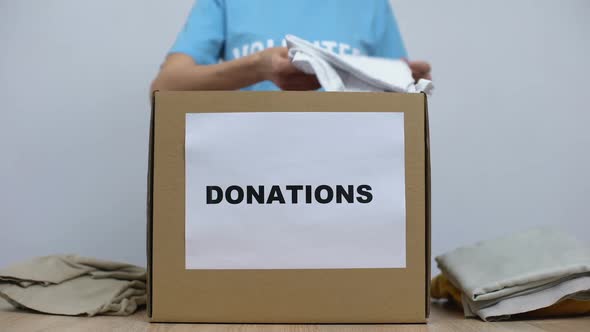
389, 43
203, 35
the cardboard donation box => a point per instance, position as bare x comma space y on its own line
288, 207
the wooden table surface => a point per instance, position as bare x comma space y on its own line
443, 318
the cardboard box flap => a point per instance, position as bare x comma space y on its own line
149, 204
428, 198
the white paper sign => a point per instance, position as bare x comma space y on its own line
295, 191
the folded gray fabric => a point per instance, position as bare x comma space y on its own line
540, 267
73, 285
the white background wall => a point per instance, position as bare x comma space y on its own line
509, 118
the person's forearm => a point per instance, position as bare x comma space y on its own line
230, 75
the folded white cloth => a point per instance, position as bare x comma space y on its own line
74, 285
518, 273
575, 289
353, 72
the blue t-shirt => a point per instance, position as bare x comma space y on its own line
228, 29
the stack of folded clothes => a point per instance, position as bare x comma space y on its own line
74, 285
537, 273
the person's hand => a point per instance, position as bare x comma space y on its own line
420, 69
276, 66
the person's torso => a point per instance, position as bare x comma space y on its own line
341, 26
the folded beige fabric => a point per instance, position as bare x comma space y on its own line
73, 285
